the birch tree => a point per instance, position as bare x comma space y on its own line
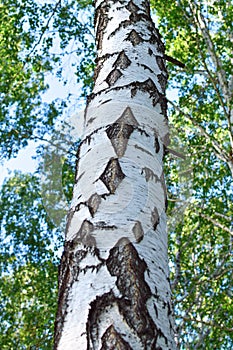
114, 281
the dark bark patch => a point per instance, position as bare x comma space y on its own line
150, 52
134, 38
67, 273
112, 340
149, 87
163, 105
131, 7
162, 81
102, 225
113, 77
97, 307
93, 203
138, 231
125, 263
146, 67
155, 218
156, 144
119, 132
127, 117
143, 150
101, 21
122, 61
163, 183
160, 63
112, 175
149, 174
119, 135
84, 234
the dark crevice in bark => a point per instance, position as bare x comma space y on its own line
122, 61
113, 76
125, 263
68, 272
99, 62
163, 183
156, 144
155, 218
145, 67
143, 150
102, 225
101, 20
150, 175
119, 132
112, 340
161, 65
134, 38
119, 135
112, 175
97, 307
135, 86
150, 52
162, 81
84, 234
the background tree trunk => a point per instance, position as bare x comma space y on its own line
114, 288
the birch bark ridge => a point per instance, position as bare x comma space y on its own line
114, 288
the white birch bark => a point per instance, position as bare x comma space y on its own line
114, 290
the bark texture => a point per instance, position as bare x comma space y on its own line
114, 288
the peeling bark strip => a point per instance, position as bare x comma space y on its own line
113, 278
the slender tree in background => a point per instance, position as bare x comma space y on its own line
114, 281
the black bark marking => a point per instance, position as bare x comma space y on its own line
143, 150
156, 144
113, 77
163, 183
102, 225
149, 87
150, 175
119, 132
80, 176
146, 67
119, 135
155, 218
131, 7
112, 340
97, 307
160, 63
150, 52
101, 21
162, 81
134, 38
84, 234
156, 38
99, 62
145, 86
122, 61
67, 273
112, 175
93, 203
127, 117
138, 231
125, 263
163, 105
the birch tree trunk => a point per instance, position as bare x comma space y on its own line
114, 288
